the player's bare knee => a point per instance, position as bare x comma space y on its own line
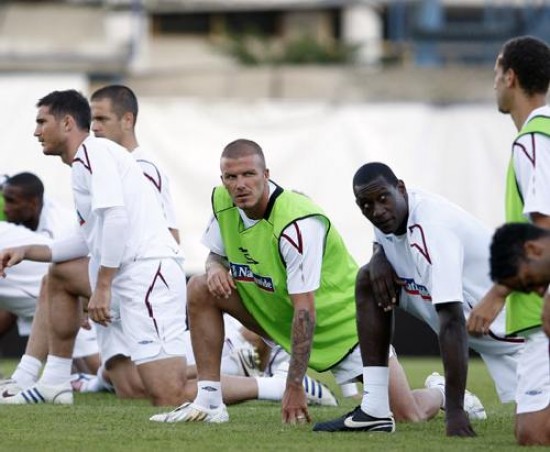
532, 434
409, 414
197, 289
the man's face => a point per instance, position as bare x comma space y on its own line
246, 180
383, 204
533, 270
501, 87
50, 132
18, 208
105, 123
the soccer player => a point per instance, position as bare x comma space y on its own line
279, 266
522, 77
520, 261
133, 257
438, 270
26, 205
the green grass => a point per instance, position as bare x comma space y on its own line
100, 422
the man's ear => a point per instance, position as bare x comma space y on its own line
128, 120
266, 173
68, 122
510, 78
401, 187
532, 249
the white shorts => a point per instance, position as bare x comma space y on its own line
499, 353
151, 298
86, 342
111, 341
23, 308
501, 357
533, 388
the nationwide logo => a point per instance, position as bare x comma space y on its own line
243, 273
413, 288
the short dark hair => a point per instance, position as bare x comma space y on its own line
373, 170
69, 102
242, 148
30, 185
122, 98
529, 58
507, 248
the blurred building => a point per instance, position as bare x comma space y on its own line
117, 36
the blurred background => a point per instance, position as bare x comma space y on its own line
322, 85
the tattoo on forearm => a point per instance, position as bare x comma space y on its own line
302, 338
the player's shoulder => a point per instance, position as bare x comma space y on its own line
150, 167
14, 235
431, 209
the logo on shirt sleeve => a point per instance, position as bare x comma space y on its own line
412, 288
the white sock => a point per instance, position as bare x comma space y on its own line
376, 400
26, 372
270, 388
209, 394
56, 371
349, 389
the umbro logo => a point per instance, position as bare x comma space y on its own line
209, 388
533, 392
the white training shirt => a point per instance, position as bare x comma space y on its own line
443, 257
22, 280
531, 155
303, 266
105, 175
56, 220
160, 181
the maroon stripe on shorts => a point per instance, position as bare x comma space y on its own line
148, 305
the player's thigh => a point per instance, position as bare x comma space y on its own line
233, 305
72, 275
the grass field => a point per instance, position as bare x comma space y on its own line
100, 422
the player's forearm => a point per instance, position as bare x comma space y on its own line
38, 253
453, 342
303, 327
105, 277
215, 261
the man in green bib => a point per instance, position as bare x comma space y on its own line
279, 266
522, 77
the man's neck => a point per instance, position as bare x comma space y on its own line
130, 143
73, 143
525, 108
